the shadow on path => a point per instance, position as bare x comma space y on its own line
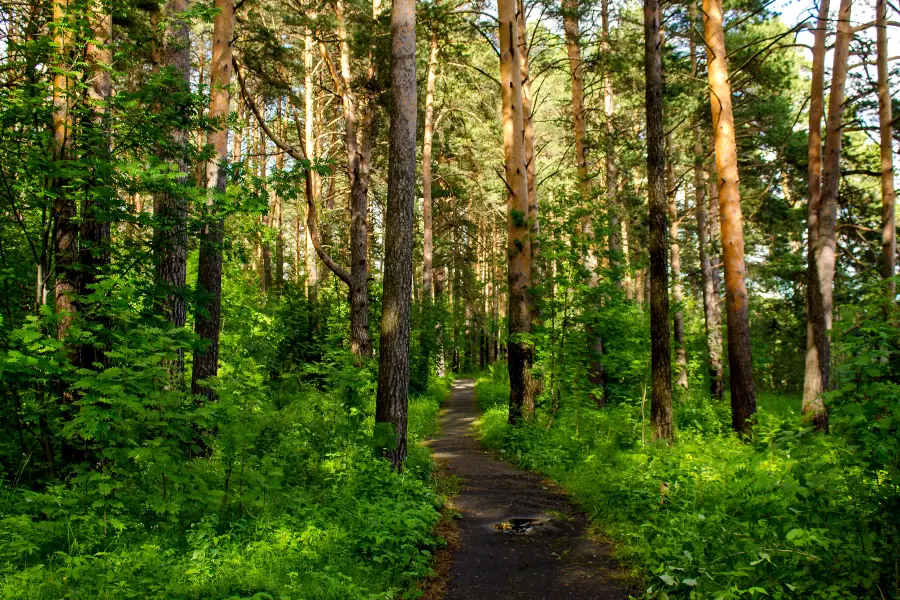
520, 537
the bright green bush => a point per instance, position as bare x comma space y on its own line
276, 490
790, 515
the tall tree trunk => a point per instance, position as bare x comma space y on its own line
94, 236
660, 351
393, 366
885, 126
675, 257
278, 277
740, 361
612, 205
626, 255
170, 234
711, 316
571, 11
262, 165
428, 136
209, 270
358, 152
821, 293
64, 205
521, 402
530, 162
813, 381
314, 189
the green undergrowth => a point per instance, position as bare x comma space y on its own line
791, 514
310, 511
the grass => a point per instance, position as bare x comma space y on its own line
789, 515
321, 517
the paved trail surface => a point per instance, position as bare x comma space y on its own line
520, 537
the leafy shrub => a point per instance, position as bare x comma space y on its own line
790, 515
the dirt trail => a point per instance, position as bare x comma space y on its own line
520, 537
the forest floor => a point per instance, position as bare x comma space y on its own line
520, 536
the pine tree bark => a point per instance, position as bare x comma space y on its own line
427, 209
711, 316
314, 189
661, 421
530, 162
820, 301
571, 11
610, 158
358, 153
170, 234
743, 393
521, 403
64, 205
393, 367
675, 257
209, 270
885, 128
278, 275
94, 234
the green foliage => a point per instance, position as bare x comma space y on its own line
790, 515
272, 490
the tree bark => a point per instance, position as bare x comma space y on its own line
278, 276
711, 315
530, 162
64, 206
661, 361
209, 270
393, 367
612, 204
743, 394
314, 189
675, 257
885, 127
571, 10
521, 403
427, 210
170, 234
358, 152
822, 225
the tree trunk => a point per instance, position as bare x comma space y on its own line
170, 234
278, 275
64, 206
822, 215
427, 211
571, 9
626, 255
740, 361
612, 205
314, 189
675, 256
521, 402
209, 270
358, 153
393, 367
885, 126
711, 316
94, 236
660, 351
530, 162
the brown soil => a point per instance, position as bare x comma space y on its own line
519, 536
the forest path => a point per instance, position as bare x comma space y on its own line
520, 537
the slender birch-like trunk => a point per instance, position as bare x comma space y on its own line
885, 128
